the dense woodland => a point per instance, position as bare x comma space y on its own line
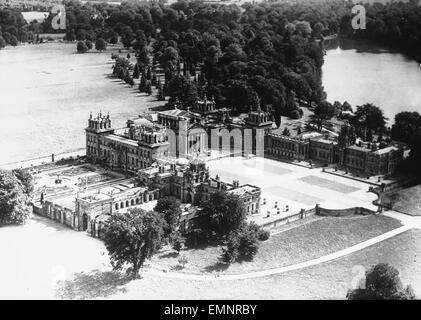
269, 50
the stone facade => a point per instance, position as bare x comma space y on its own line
362, 157
128, 149
174, 133
88, 212
190, 182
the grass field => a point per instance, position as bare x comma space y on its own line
407, 200
329, 280
71, 264
48, 91
305, 242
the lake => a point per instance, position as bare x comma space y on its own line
47, 92
360, 73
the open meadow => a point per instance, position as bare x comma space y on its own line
47, 93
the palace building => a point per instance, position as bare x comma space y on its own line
172, 134
187, 133
363, 157
160, 151
190, 182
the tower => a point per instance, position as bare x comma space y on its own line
261, 123
96, 127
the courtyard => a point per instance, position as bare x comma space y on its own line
73, 179
285, 184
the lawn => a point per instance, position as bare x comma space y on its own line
330, 280
305, 242
48, 92
328, 184
407, 200
82, 266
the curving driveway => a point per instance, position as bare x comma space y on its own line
408, 222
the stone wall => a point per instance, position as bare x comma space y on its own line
288, 219
343, 212
317, 210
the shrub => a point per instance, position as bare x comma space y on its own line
81, 47
183, 261
89, 44
178, 242
295, 114
263, 235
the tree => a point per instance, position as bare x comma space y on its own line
170, 209
100, 44
323, 112
346, 136
242, 244
178, 241
89, 44
26, 179
346, 106
154, 79
405, 126
179, 87
14, 202
160, 95
369, 118
286, 132
113, 38
13, 41
133, 237
142, 83
169, 56
81, 47
225, 212
136, 71
303, 27
148, 88
2, 42
382, 282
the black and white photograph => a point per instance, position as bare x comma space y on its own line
210, 150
